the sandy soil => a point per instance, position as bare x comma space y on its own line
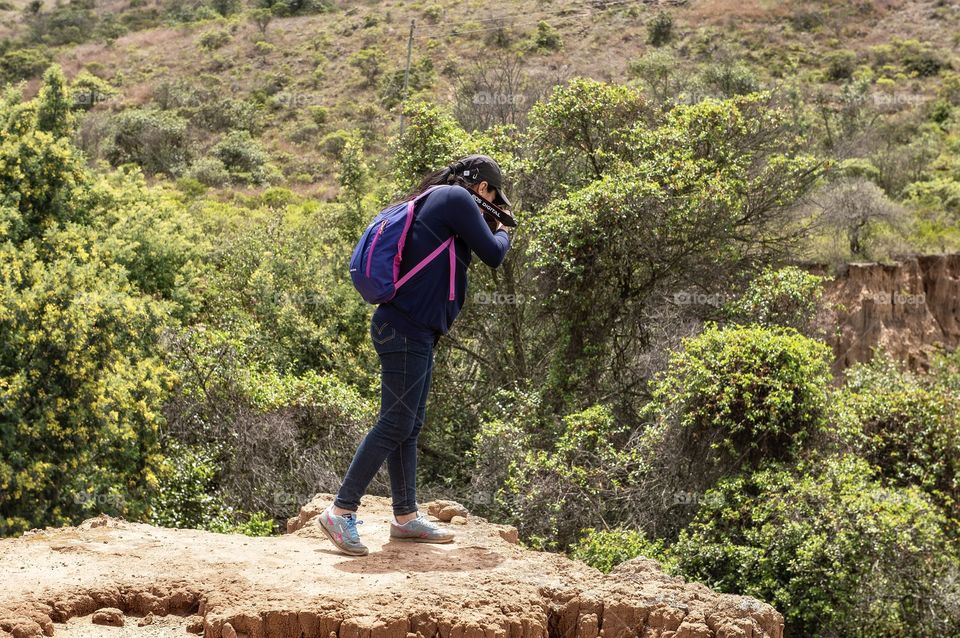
298, 585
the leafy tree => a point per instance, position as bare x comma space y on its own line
262, 18
53, 112
660, 29
352, 178
546, 38
87, 90
81, 379
686, 181
369, 62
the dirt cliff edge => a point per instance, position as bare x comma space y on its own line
909, 308
483, 585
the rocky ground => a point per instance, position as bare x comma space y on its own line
110, 578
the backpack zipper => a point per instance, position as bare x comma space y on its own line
383, 225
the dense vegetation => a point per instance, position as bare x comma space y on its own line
179, 342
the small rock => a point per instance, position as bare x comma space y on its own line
228, 631
195, 624
146, 620
458, 520
510, 534
450, 511
434, 507
108, 616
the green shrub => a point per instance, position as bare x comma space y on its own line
730, 80
319, 114
551, 494
154, 140
214, 39
788, 296
433, 11
209, 171
605, 549
244, 158
906, 425
369, 62
743, 395
918, 59
660, 29
841, 65
546, 38
832, 549
188, 495
24, 64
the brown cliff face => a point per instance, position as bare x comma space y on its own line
909, 308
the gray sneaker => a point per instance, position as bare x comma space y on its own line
420, 530
342, 531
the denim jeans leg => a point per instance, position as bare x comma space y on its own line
404, 370
402, 462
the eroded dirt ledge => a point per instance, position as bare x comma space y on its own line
298, 586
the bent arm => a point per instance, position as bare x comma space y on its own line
465, 219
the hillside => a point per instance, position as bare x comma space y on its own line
299, 586
304, 78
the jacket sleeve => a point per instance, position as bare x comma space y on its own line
464, 217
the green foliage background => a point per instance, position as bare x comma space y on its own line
643, 376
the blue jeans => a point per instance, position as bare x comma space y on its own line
406, 368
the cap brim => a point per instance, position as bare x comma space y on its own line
501, 199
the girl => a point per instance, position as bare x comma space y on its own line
405, 332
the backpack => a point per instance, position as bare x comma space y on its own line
375, 262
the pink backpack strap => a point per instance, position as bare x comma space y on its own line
426, 260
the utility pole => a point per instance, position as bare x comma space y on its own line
406, 74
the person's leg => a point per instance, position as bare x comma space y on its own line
404, 369
402, 462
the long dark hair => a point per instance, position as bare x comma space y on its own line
446, 175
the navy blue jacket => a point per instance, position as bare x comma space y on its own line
421, 308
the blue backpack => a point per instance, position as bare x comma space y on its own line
375, 263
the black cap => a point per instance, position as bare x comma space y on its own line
478, 168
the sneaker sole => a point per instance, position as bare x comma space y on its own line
345, 550
417, 539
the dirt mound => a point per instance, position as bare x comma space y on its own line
483, 585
